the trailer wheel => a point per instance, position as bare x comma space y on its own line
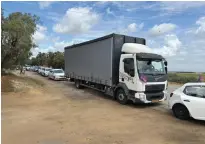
121, 97
77, 84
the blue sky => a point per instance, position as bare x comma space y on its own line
174, 29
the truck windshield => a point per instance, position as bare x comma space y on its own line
153, 67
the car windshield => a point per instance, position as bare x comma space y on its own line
151, 67
196, 91
48, 69
58, 71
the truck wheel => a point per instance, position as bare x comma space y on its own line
121, 97
77, 84
180, 112
71, 80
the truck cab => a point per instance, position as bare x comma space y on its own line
142, 75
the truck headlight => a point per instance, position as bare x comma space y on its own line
141, 96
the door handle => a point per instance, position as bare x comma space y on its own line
187, 100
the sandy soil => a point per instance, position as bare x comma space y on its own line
57, 113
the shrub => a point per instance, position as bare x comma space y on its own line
181, 78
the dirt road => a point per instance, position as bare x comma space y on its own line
57, 113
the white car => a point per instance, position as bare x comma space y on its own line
28, 68
56, 74
188, 101
46, 71
40, 70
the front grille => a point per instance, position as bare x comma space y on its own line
154, 96
154, 88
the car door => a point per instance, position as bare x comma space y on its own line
194, 99
49, 73
53, 74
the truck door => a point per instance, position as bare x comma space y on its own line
128, 71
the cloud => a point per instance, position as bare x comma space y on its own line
45, 4
161, 29
133, 27
60, 45
199, 31
34, 51
37, 50
40, 34
201, 23
41, 28
108, 11
56, 46
171, 46
53, 16
179, 6
77, 20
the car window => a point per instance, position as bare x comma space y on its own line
58, 71
195, 91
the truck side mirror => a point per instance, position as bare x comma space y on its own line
165, 63
166, 69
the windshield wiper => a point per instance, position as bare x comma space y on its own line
159, 74
153, 74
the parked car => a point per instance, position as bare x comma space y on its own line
188, 101
36, 68
40, 70
28, 68
56, 74
46, 71
32, 68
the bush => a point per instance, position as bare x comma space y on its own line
182, 78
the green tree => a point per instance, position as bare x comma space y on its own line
51, 59
16, 39
58, 61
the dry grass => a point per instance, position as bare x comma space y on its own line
58, 113
12, 82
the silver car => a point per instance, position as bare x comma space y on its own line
56, 74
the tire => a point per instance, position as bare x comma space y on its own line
77, 84
71, 80
180, 112
121, 97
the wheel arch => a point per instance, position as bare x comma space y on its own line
123, 87
181, 104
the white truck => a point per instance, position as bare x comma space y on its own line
120, 66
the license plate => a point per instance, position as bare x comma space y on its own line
155, 100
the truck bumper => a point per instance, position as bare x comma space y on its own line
151, 97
